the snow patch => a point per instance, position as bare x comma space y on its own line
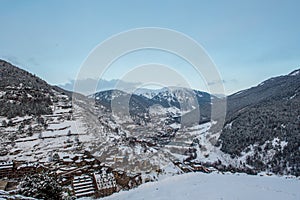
295, 73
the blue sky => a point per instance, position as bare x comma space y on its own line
249, 41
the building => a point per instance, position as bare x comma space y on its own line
121, 178
106, 183
200, 168
83, 186
25, 169
6, 169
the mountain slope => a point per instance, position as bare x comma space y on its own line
35, 117
262, 128
276, 88
263, 125
181, 99
22, 93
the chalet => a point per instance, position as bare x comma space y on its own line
90, 161
118, 159
185, 168
26, 169
186, 163
80, 162
198, 167
68, 173
121, 177
67, 160
83, 186
118, 173
6, 169
135, 179
176, 161
109, 159
66, 106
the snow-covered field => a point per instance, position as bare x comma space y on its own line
195, 186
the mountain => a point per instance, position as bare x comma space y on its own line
181, 99
263, 125
275, 88
45, 124
138, 105
22, 93
31, 110
149, 93
261, 131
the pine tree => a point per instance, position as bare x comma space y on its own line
40, 186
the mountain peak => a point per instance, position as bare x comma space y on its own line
295, 73
12, 76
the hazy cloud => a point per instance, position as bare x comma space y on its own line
222, 82
90, 86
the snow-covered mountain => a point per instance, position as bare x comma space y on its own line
22, 93
149, 93
263, 125
261, 133
261, 129
180, 99
36, 119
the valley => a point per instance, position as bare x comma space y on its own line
79, 141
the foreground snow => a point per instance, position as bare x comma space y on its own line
215, 186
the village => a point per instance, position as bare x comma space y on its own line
57, 145
52, 145
80, 175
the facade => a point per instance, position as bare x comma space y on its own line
83, 186
26, 169
6, 169
106, 183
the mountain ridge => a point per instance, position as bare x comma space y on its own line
261, 130
263, 118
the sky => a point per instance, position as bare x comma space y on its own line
249, 41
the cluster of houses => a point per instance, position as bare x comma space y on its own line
11, 172
98, 184
89, 177
190, 166
81, 172
15, 170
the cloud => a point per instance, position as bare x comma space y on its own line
222, 82
33, 61
90, 86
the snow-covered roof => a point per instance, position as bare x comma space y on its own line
83, 185
89, 160
24, 165
6, 165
